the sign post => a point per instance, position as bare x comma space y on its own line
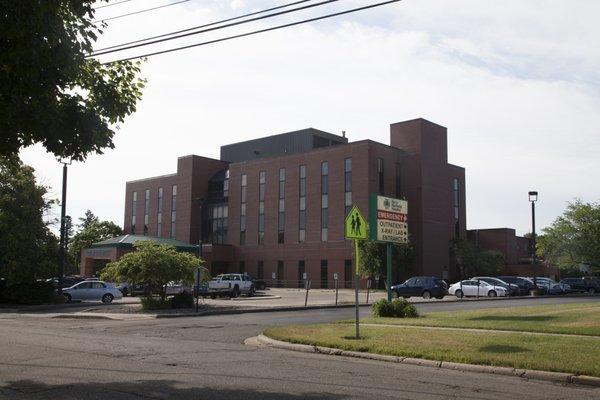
388, 222
197, 279
355, 227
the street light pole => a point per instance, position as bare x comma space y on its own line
533, 198
63, 233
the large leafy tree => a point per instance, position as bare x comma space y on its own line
472, 260
91, 230
373, 259
50, 93
28, 249
573, 238
153, 264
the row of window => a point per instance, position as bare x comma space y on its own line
281, 275
158, 213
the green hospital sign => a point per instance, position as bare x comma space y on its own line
388, 219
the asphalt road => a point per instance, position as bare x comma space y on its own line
204, 358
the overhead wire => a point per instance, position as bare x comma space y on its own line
214, 28
202, 26
141, 11
255, 32
112, 4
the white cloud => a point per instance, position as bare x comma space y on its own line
516, 83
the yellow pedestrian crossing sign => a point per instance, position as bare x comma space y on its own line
355, 225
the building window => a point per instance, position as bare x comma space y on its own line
242, 267
301, 271
159, 213
260, 270
281, 209
146, 210
243, 195
218, 216
455, 202
302, 206
398, 181
324, 274
347, 185
133, 211
348, 273
324, 200
262, 178
280, 273
380, 175
173, 209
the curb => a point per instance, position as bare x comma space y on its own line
258, 310
557, 377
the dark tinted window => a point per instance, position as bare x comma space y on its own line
410, 282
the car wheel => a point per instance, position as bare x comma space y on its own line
213, 296
235, 292
68, 297
107, 298
592, 290
426, 294
252, 291
492, 293
459, 293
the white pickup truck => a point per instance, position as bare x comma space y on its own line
231, 285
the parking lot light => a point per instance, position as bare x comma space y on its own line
533, 195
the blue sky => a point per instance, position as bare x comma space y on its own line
515, 82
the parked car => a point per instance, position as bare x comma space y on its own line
67, 281
589, 284
424, 286
472, 287
173, 288
551, 286
232, 285
525, 285
511, 288
92, 290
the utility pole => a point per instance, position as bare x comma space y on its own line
63, 233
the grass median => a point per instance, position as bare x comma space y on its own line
577, 318
572, 354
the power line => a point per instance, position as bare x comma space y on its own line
202, 26
147, 43
142, 11
112, 4
256, 32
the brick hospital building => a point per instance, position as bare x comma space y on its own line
277, 204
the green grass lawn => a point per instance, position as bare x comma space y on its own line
579, 355
578, 318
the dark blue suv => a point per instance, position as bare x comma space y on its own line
422, 286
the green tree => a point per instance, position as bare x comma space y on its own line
88, 219
91, 231
153, 264
373, 258
50, 93
28, 249
573, 238
474, 261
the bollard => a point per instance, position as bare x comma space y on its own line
368, 289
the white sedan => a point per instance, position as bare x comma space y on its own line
476, 288
92, 290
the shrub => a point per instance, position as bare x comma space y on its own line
153, 303
399, 308
182, 300
28, 293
